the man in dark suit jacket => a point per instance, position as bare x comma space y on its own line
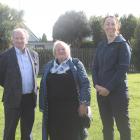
18, 70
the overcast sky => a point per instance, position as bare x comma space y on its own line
40, 15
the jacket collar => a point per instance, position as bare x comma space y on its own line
119, 38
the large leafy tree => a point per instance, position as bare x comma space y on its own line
96, 28
9, 19
136, 48
128, 25
71, 27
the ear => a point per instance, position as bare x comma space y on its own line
26, 41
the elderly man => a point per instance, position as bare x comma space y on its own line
18, 70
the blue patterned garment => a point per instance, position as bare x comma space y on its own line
60, 68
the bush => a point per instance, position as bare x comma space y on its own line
136, 49
87, 44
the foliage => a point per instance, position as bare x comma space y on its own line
136, 48
71, 27
44, 38
87, 44
96, 28
128, 25
9, 19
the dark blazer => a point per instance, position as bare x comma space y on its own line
10, 77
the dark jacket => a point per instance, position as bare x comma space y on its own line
81, 81
10, 76
111, 64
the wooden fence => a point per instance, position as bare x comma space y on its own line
86, 55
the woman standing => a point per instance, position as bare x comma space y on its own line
64, 95
110, 66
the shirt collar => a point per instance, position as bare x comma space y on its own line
18, 51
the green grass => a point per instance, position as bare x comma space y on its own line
95, 131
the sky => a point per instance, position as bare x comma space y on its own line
40, 15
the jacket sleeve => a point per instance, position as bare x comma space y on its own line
37, 69
84, 84
41, 96
42, 91
36, 61
43, 88
95, 70
122, 68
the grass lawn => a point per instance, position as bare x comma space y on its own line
95, 131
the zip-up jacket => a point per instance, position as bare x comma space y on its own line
111, 64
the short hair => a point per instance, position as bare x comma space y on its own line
65, 45
21, 30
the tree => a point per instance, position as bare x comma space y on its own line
96, 28
71, 27
136, 48
9, 19
128, 25
44, 38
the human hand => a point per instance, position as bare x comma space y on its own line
82, 109
98, 88
103, 91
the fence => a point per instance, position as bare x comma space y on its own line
132, 69
86, 55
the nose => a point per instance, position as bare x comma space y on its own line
19, 40
61, 50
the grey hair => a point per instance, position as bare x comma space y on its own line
65, 45
21, 30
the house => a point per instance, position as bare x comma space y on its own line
34, 41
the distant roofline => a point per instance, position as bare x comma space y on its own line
26, 27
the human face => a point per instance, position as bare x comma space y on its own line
19, 40
111, 27
61, 53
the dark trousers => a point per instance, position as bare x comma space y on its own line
114, 107
26, 116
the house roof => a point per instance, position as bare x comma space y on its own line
32, 36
